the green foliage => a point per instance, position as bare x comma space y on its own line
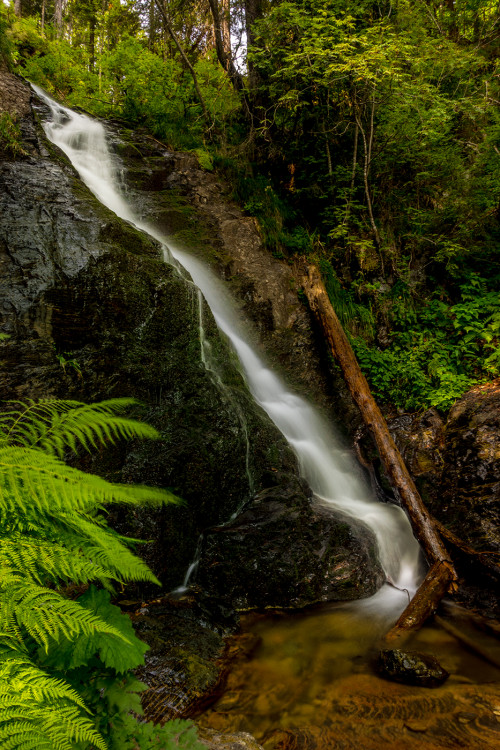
5, 42
204, 159
64, 663
438, 350
129, 81
10, 136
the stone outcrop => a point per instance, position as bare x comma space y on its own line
456, 464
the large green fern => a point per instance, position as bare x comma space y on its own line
53, 532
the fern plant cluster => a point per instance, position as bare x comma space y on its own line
65, 665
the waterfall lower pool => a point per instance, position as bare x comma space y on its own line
308, 681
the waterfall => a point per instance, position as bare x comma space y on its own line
330, 471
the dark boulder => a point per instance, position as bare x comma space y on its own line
468, 500
283, 551
411, 668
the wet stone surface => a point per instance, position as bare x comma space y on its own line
411, 668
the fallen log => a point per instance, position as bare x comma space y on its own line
441, 577
430, 592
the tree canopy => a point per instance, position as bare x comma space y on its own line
363, 135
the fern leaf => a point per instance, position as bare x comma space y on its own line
77, 651
18, 673
31, 478
58, 728
46, 615
43, 560
53, 425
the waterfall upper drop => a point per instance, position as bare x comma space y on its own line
329, 470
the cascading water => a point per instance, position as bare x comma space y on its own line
331, 473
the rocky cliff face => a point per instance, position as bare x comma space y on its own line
92, 311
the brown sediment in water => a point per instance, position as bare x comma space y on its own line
311, 685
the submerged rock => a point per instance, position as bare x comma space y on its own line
411, 668
223, 741
185, 666
284, 552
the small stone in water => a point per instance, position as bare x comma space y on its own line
411, 667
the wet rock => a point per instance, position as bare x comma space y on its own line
284, 552
456, 463
468, 499
195, 208
93, 312
456, 466
185, 666
411, 668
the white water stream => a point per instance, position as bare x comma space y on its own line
332, 474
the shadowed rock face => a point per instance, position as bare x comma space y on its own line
260, 559
456, 464
93, 312
470, 484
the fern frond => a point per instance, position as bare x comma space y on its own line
19, 675
43, 560
58, 728
55, 425
45, 614
108, 551
31, 479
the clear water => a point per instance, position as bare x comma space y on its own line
330, 470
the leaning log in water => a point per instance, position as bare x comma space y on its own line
441, 576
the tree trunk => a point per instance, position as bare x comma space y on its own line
92, 24
430, 592
222, 55
442, 574
151, 26
185, 60
253, 11
226, 27
18, 9
58, 14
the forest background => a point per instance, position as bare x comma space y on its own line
364, 135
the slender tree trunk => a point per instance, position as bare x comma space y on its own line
18, 9
253, 11
92, 44
366, 171
43, 17
185, 60
353, 174
441, 575
58, 15
226, 27
151, 25
224, 58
